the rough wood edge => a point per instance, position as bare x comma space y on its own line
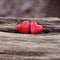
54, 18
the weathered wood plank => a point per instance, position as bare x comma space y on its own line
29, 46
17, 46
49, 24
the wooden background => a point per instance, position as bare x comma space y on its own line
17, 46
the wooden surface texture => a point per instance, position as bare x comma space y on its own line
17, 46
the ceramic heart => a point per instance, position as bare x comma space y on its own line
35, 28
23, 27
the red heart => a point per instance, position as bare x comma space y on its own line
35, 28
23, 27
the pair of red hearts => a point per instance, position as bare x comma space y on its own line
26, 27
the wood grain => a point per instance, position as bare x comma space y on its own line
17, 46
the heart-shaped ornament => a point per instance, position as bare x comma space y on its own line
35, 28
23, 27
